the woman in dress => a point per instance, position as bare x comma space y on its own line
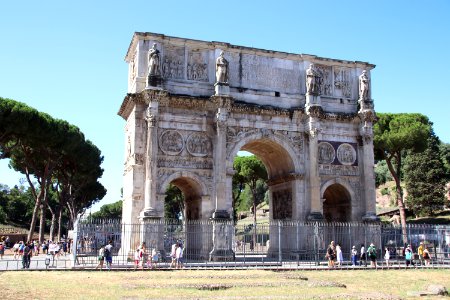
339, 255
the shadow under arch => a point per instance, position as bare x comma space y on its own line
337, 195
192, 188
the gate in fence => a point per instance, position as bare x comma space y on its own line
281, 241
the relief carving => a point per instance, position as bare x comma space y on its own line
282, 204
343, 81
326, 84
339, 170
235, 134
326, 153
171, 142
173, 65
184, 162
197, 68
198, 144
346, 154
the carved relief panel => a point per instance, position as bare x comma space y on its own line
173, 63
282, 204
171, 142
326, 153
326, 86
346, 154
198, 144
342, 82
197, 66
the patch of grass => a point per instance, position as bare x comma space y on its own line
211, 284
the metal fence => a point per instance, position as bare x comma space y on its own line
279, 244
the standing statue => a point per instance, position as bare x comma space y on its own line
364, 83
313, 80
154, 62
221, 69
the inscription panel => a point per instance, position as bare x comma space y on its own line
268, 73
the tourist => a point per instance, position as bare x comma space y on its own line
179, 256
173, 255
331, 254
354, 256
2, 249
154, 258
26, 255
137, 258
362, 256
387, 256
339, 256
420, 253
372, 255
7, 242
101, 258
409, 256
108, 255
16, 249
426, 256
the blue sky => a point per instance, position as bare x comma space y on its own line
67, 59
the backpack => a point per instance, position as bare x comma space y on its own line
372, 252
2, 247
106, 252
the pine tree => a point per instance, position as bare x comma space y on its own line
425, 177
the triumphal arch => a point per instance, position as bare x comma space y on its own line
192, 105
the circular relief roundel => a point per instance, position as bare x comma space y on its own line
198, 144
326, 153
171, 142
346, 154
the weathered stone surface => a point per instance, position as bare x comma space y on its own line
311, 127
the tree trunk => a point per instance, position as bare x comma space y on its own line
398, 193
52, 226
43, 207
33, 220
59, 222
254, 217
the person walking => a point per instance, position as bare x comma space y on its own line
173, 255
354, 256
420, 253
26, 256
372, 254
101, 258
387, 256
409, 256
2, 250
179, 256
331, 254
108, 255
339, 255
426, 256
138, 258
362, 256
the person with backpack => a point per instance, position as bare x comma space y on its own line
409, 256
331, 255
372, 255
108, 255
26, 256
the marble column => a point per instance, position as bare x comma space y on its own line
368, 173
151, 161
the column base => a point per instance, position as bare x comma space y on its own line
313, 100
148, 213
315, 216
370, 217
221, 89
221, 215
221, 255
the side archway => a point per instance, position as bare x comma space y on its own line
337, 198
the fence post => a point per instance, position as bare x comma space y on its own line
279, 242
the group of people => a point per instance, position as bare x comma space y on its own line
105, 254
143, 257
335, 256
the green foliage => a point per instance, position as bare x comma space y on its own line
425, 177
382, 173
109, 211
174, 203
16, 205
249, 186
444, 150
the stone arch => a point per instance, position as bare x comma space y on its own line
193, 189
270, 149
337, 198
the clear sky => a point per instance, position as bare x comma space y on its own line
67, 58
